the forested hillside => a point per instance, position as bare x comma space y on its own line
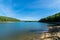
53, 18
8, 19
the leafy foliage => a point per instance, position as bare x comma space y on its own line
53, 18
8, 19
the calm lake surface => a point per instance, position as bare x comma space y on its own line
8, 29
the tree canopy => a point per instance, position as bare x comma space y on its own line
53, 18
8, 19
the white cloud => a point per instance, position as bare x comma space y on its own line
29, 18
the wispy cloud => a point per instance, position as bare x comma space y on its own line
6, 11
29, 9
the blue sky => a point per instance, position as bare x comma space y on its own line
29, 9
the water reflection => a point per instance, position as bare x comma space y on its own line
21, 30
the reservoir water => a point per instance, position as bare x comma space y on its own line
8, 30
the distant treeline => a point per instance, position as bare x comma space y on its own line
53, 18
8, 19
